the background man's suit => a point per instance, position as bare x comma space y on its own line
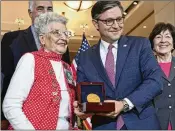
14, 45
7, 62
135, 63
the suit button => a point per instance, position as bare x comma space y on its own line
169, 84
169, 96
170, 107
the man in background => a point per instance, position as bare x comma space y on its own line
15, 44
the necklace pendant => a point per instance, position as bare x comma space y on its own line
54, 93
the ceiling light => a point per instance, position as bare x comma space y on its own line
91, 36
135, 3
144, 27
79, 5
124, 13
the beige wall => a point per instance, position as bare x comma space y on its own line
164, 11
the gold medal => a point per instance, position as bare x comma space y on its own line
93, 98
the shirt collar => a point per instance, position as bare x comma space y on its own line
105, 44
37, 41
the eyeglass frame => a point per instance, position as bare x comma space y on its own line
60, 33
113, 21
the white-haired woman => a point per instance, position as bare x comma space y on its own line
41, 91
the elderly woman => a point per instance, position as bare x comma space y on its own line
163, 42
41, 91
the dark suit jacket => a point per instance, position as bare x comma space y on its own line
138, 78
7, 62
19, 43
165, 102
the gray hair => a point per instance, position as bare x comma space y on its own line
102, 6
31, 3
43, 20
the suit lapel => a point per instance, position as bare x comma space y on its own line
28, 37
164, 76
172, 71
122, 53
96, 60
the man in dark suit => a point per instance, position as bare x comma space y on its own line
7, 68
127, 66
15, 44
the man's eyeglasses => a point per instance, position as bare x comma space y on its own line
110, 22
59, 33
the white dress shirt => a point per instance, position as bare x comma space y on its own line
20, 87
103, 52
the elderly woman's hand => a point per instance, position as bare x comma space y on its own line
78, 112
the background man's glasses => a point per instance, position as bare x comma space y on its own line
110, 22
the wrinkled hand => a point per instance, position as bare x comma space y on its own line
78, 112
118, 108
